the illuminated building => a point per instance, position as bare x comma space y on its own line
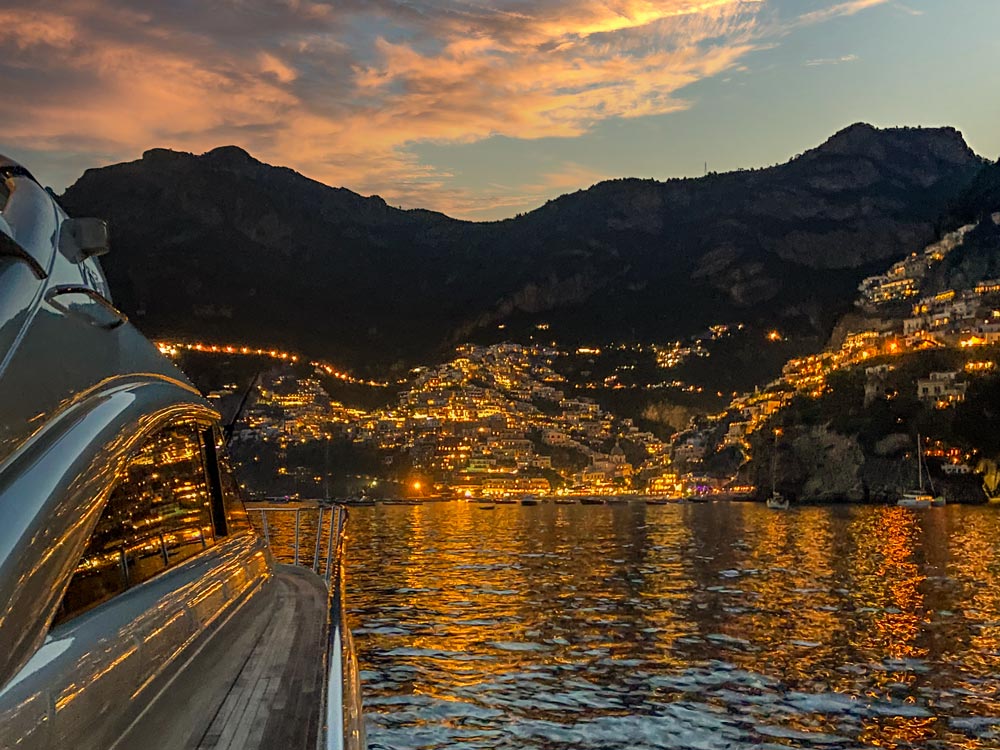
942, 388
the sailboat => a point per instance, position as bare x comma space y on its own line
920, 498
990, 472
776, 501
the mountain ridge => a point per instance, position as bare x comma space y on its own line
245, 250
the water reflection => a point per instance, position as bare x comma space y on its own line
688, 626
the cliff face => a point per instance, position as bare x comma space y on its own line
814, 464
832, 465
976, 259
980, 198
222, 245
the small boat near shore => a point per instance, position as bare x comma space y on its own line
920, 498
354, 502
662, 500
776, 501
915, 500
592, 500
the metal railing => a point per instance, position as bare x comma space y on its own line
323, 519
341, 719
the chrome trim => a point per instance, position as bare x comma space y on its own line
56, 291
343, 719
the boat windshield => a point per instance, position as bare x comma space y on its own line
5, 228
28, 219
20, 270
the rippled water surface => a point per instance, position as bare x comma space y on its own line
689, 626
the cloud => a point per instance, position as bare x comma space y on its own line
831, 60
342, 91
847, 8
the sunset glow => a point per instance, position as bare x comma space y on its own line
424, 103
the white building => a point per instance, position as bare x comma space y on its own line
942, 388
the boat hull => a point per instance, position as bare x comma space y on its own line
916, 500
777, 502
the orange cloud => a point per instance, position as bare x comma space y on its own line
535, 80
27, 29
312, 86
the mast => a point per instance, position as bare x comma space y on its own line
774, 463
920, 461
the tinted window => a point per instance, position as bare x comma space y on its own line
156, 517
29, 217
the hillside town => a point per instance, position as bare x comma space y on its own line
897, 319
502, 419
493, 421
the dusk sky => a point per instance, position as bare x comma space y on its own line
484, 109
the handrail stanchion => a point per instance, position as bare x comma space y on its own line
297, 535
329, 549
263, 522
319, 536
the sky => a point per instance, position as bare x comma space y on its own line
485, 108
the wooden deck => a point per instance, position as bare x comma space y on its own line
274, 702
255, 684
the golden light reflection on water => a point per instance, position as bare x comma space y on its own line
885, 583
974, 563
718, 625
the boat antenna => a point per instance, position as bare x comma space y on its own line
230, 426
